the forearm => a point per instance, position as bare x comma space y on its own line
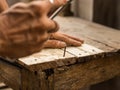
3, 5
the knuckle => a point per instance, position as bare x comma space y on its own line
44, 38
54, 27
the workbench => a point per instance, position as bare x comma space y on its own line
97, 60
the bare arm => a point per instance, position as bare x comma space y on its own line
3, 5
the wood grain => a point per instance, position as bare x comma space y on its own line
48, 58
77, 76
10, 75
52, 58
94, 34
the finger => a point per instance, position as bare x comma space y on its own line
77, 39
40, 38
51, 26
54, 44
68, 40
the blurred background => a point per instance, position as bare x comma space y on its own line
105, 12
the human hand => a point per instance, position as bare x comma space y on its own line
61, 40
3, 5
26, 27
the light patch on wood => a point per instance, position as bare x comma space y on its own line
7, 89
46, 55
90, 49
2, 84
77, 52
83, 50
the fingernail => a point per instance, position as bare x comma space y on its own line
62, 44
77, 44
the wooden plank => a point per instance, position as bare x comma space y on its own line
37, 80
108, 37
99, 45
29, 80
10, 75
50, 57
7, 89
79, 75
90, 49
43, 56
84, 50
77, 52
47, 58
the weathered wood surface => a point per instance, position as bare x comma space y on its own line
102, 37
77, 76
10, 74
53, 58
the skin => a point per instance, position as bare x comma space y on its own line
26, 29
3, 5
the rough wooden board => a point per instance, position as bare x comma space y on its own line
84, 50
10, 74
96, 32
87, 40
90, 49
46, 55
99, 45
49, 58
7, 89
30, 81
80, 75
77, 52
